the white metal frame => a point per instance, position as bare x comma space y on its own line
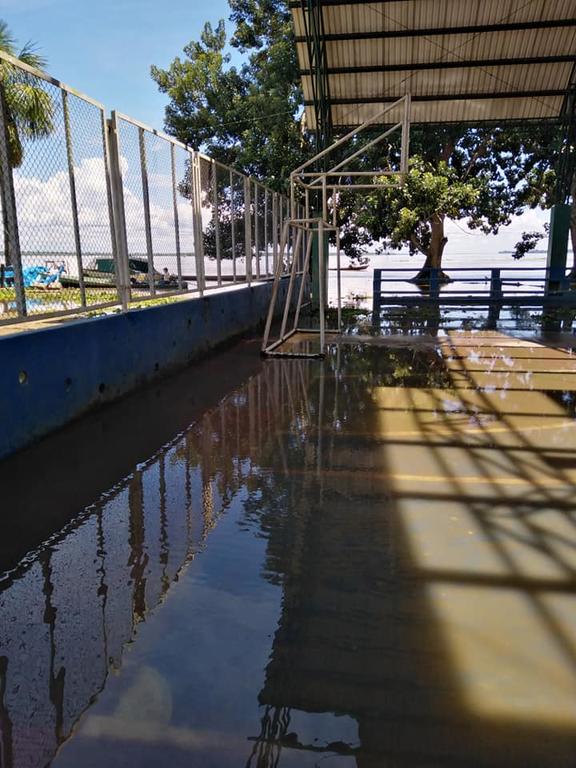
328, 182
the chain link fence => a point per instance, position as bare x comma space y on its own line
55, 197
240, 234
100, 211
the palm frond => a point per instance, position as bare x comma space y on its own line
7, 42
29, 55
31, 109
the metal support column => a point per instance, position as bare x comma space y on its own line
10, 215
196, 201
557, 246
176, 217
248, 230
117, 198
73, 197
146, 201
232, 226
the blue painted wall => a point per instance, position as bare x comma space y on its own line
51, 376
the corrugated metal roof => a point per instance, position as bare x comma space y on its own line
460, 59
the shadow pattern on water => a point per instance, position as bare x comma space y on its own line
72, 603
431, 485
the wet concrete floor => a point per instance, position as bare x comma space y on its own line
363, 561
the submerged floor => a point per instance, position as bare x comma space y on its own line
363, 561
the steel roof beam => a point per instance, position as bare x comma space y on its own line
296, 3
447, 97
430, 32
461, 64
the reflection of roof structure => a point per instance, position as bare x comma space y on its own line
424, 556
461, 61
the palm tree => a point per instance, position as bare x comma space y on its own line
27, 107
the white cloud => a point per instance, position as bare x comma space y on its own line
45, 212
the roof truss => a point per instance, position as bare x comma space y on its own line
477, 61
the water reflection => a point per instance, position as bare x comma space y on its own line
69, 609
428, 562
414, 507
432, 317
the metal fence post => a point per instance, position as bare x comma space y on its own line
282, 252
196, 200
9, 211
321, 296
146, 200
256, 233
495, 304
434, 283
176, 218
266, 232
73, 196
216, 214
232, 225
118, 214
274, 230
248, 230
376, 296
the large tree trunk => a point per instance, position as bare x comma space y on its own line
434, 255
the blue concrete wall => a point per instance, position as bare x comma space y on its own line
51, 376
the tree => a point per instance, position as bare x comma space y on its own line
414, 213
251, 116
27, 107
484, 175
553, 179
247, 115
231, 215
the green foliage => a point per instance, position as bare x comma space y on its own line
403, 215
246, 115
528, 242
29, 107
485, 176
249, 115
229, 217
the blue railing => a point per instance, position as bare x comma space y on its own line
475, 286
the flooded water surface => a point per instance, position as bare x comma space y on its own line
363, 561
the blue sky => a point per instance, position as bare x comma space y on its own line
105, 48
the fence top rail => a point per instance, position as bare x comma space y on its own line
311, 174
466, 269
49, 79
236, 172
516, 287
481, 279
161, 135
